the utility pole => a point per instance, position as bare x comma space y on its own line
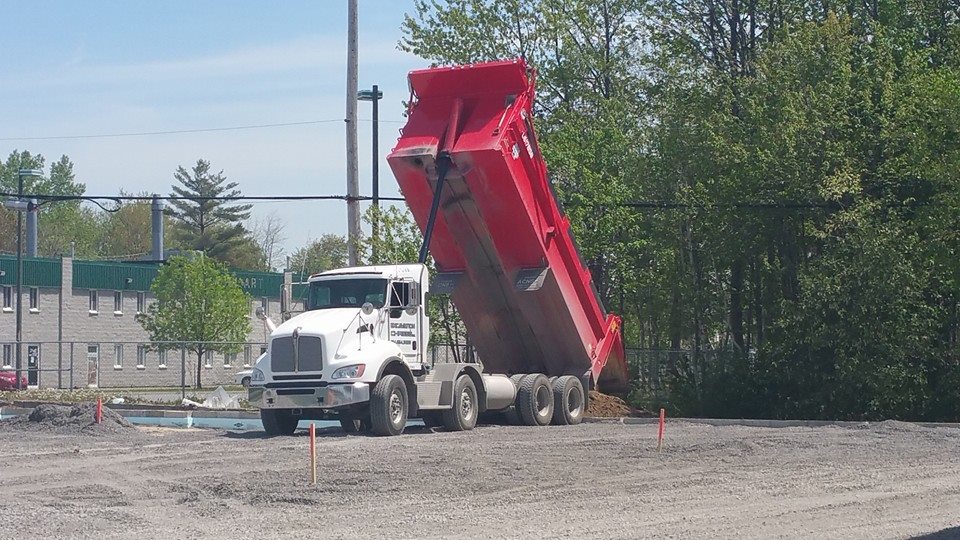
374, 95
353, 181
20, 175
21, 206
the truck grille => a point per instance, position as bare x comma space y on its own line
310, 356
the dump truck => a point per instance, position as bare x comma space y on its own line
471, 172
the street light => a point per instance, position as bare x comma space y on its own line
374, 95
21, 205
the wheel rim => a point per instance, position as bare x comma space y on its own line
574, 402
466, 405
544, 399
396, 407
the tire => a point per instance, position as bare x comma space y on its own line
535, 400
511, 414
388, 406
352, 424
431, 419
463, 415
278, 421
568, 401
245, 382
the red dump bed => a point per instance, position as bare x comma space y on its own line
504, 249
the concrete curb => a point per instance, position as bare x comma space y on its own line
752, 422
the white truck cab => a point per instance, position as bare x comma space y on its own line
357, 353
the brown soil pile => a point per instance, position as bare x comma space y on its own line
71, 420
607, 406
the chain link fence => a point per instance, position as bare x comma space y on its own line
126, 364
174, 365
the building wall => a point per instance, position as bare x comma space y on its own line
86, 344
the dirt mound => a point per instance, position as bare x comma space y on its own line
67, 419
607, 406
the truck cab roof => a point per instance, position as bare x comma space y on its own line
386, 271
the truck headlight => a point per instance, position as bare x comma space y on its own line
348, 372
256, 375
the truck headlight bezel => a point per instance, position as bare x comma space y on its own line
354, 371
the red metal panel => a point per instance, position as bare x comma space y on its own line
498, 217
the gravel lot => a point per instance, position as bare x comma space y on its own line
887, 480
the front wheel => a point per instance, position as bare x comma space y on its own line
278, 421
463, 415
354, 423
388, 406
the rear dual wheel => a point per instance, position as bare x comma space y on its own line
535, 400
568, 401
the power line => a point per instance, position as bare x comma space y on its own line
62, 198
640, 205
182, 131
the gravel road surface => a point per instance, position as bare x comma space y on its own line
886, 480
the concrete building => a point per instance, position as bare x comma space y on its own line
80, 327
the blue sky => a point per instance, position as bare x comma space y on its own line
80, 68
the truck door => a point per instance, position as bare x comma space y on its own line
404, 320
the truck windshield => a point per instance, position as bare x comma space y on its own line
334, 293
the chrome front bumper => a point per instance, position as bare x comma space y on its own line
323, 397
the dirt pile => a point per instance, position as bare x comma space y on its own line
70, 420
607, 406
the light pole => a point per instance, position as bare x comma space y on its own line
374, 95
21, 205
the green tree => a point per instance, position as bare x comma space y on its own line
205, 219
325, 253
64, 225
199, 303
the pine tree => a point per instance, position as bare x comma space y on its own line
205, 219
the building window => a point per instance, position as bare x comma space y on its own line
118, 356
162, 359
117, 302
141, 302
94, 303
7, 355
207, 358
8, 298
229, 359
141, 356
247, 353
34, 299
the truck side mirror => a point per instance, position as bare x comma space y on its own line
414, 300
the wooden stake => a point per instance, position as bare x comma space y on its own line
663, 417
99, 416
313, 454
